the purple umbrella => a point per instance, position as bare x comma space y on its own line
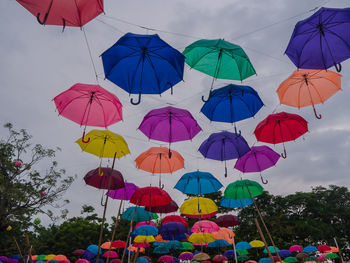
285, 253
164, 209
88, 254
169, 124
3, 258
94, 178
258, 159
124, 193
172, 229
186, 256
224, 146
321, 40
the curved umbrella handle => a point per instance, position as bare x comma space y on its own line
318, 116
137, 102
284, 154
45, 18
206, 99
337, 66
263, 181
83, 138
99, 171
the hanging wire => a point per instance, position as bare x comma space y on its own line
89, 49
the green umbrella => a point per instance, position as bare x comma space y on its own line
242, 258
242, 252
272, 250
40, 257
219, 59
291, 260
186, 246
331, 256
238, 189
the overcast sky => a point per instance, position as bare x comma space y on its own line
37, 63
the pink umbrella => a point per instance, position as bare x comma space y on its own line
166, 258
205, 226
112, 254
89, 105
148, 223
82, 261
295, 248
322, 258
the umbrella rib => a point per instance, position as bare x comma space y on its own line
103, 111
134, 76
201, 57
75, 98
159, 56
306, 42
133, 54
217, 104
155, 73
317, 91
335, 34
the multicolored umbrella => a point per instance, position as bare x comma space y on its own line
243, 189
63, 13
310, 249
321, 40
291, 260
106, 245
187, 246
284, 253
164, 209
323, 248
307, 87
78, 252
224, 146
118, 244
124, 193
111, 179
173, 244
199, 207
228, 221
150, 196
143, 64
242, 252
198, 183
144, 239
272, 250
111, 254
280, 128
331, 256
166, 259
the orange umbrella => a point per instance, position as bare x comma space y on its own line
106, 245
60, 258
160, 239
333, 249
307, 87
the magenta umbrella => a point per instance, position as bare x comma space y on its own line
89, 105
124, 193
165, 209
145, 223
205, 226
295, 248
112, 254
93, 178
258, 159
169, 124
166, 258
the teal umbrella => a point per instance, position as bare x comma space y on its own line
140, 215
272, 250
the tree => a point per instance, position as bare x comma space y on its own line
24, 191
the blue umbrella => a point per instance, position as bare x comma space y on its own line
173, 244
143, 64
99, 261
310, 249
174, 237
235, 203
285, 253
89, 255
232, 103
198, 183
161, 250
18, 257
219, 243
142, 260
146, 230
243, 245
140, 215
172, 228
230, 253
264, 260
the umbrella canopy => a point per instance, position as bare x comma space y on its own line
201, 238
199, 207
228, 221
142, 260
106, 245
223, 146
174, 218
281, 127
232, 103
243, 245
333, 249
201, 256
148, 258
219, 258
310, 249
63, 13
145, 223
256, 243
104, 144
198, 183
140, 215
185, 256
186, 246
51, 256
112, 254
323, 248
143, 64
146, 230
80, 261
331, 256
218, 243
242, 252
265, 260
144, 239
284, 253
94, 178
321, 40
166, 258
224, 233
243, 189
172, 229
230, 253
118, 244
150, 196
161, 250
78, 252
272, 250
124, 193
89, 255
173, 244
291, 260
164, 209
295, 248
307, 87
233, 203
204, 226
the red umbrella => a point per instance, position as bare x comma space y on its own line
281, 127
323, 248
150, 196
118, 244
64, 12
219, 258
174, 218
93, 178
228, 221
78, 252
164, 209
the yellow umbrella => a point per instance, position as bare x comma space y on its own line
49, 257
199, 207
201, 238
144, 239
201, 257
257, 243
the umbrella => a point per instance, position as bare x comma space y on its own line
185, 256
144, 239
264, 260
223, 146
204, 226
232, 103
281, 127
89, 255
111, 254
124, 193
174, 218
219, 258
150, 196
169, 124
242, 258
219, 59
41, 257
199, 207
148, 258
218, 243
307, 87
115, 260
118, 244
256, 243
51, 256
146, 230
233, 203
198, 183
242, 252
142, 260
321, 40
89, 105
172, 229
333, 249
94, 178
301, 256
106, 245
143, 64
63, 13
164, 209
161, 250
140, 215
145, 223
201, 238
224, 233
201, 256
258, 159
78, 252
284, 253
79, 261
295, 248
187, 246
93, 249
166, 258
229, 253
172, 244
228, 221
243, 245
331, 256
243, 189
272, 250
250, 261
310, 259
291, 260
323, 248
310, 249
